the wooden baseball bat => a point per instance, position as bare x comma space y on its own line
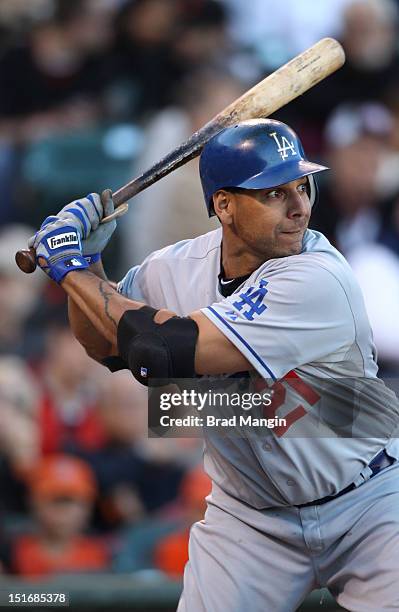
276, 90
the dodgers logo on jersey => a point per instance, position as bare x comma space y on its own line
284, 146
252, 300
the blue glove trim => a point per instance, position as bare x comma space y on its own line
90, 197
48, 220
58, 271
81, 217
92, 259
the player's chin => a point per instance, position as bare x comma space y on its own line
291, 242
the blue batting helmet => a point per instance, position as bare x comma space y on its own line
255, 154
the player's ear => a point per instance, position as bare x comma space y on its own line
222, 202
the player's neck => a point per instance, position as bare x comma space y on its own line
237, 259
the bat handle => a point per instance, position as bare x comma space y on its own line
25, 261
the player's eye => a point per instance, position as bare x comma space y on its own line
303, 187
275, 193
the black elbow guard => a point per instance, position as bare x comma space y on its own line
114, 363
157, 351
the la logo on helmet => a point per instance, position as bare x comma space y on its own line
284, 146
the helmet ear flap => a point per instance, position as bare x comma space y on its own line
211, 208
313, 190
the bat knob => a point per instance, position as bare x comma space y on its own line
25, 261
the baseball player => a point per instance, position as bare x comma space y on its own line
314, 501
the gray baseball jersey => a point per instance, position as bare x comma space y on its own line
301, 322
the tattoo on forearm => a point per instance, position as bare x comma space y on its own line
107, 294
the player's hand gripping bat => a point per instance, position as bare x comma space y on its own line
276, 90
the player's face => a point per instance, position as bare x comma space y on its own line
271, 222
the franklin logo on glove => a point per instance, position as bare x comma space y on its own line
58, 241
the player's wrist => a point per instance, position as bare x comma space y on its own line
97, 268
72, 274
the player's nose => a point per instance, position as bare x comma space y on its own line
298, 204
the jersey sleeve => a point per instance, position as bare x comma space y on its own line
129, 286
294, 316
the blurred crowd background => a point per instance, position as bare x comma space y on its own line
91, 93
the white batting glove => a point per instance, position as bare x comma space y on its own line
86, 214
94, 245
